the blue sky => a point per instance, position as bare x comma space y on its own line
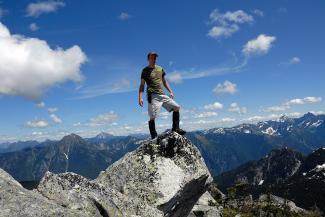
74, 66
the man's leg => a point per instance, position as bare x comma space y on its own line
153, 109
170, 105
152, 128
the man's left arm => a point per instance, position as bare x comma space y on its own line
165, 82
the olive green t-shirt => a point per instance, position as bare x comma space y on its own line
153, 78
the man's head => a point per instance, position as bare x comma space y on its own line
152, 56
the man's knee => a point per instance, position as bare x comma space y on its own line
176, 109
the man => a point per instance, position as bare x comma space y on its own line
154, 76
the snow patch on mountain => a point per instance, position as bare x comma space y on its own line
317, 124
270, 131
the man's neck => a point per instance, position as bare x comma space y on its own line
152, 66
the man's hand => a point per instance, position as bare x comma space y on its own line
171, 94
141, 102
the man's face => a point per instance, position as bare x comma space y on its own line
152, 59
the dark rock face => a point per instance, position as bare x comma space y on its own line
71, 154
273, 169
284, 173
164, 177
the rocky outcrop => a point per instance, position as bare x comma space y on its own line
18, 201
163, 177
206, 206
168, 173
78, 193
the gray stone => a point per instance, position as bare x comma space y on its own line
279, 201
168, 173
76, 192
206, 206
18, 201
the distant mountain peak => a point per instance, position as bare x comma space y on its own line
309, 115
104, 135
72, 138
284, 118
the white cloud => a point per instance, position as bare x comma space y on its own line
28, 66
37, 124
306, 100
318, 112
277, 108
226, 87
76, 124
56, 119
175, 78
181, 75
227, 120
33, 27
234, 107
298, 101
121, 86
258, 12
260, 45
294, 60
238, 16
225, 31
227, 23
124, 16
102, 119
38, 8
40, 104
206, 115
39, 133
51, 110
213, 106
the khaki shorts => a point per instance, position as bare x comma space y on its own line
158, 100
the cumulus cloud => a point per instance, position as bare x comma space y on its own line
40, 104
318, 112
51, 110
238, 16
28, 66
37, 124
56, 119
294, 60
260, 45
225, 31
206, 115
277, 108
124, 16
214, 106
306, 100
226, 87
234, 107
33, 27
227, 23
38, 8
258, 12
102, 119
298, 101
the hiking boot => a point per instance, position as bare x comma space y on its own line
179, 131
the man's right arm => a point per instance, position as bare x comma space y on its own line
141, 90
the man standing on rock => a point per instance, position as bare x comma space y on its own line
154, 76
